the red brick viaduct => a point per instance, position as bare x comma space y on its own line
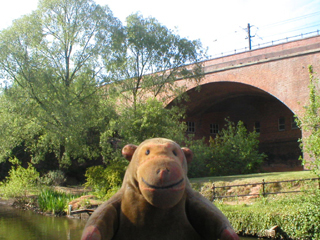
264, 88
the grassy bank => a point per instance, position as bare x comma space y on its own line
204, 185
297, 215
256, 177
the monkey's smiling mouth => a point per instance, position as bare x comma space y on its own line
163, 187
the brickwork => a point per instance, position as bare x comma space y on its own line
258, 86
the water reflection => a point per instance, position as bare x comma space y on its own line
27, 225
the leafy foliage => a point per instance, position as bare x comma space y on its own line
235, 151
56, 60
105, 181
310, 124
149, 120
54, 178
202, 154
53, 60
20, 181
155, 57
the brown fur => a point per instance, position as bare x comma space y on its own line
156, 200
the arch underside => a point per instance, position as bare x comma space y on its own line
256, 108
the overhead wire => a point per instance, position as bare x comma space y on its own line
297, 27
290, 20
275, 24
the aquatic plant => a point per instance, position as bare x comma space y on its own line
53, 201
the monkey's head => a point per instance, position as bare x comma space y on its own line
159, 168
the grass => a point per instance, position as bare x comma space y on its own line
296, 214
250, 178
204, 185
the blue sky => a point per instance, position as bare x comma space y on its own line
220, 25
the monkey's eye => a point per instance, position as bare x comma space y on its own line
148, 152
174, 152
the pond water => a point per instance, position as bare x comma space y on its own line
27, 225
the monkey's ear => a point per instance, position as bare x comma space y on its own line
128, 151
188, 153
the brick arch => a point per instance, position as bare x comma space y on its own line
217, 101
274, 79
281, 70
216, 92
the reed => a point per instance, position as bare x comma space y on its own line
53, 201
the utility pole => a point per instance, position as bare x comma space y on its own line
249, 35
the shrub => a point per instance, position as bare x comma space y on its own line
235, 151
104, 181
54, 178
20, 180
201, 157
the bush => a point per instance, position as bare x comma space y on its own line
54, 178
235, 151
105, 181
20, 181
201, 157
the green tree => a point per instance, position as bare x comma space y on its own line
53, 61
309, 122
148, 120
155, 57
235, 151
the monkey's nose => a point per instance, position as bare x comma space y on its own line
163, 173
